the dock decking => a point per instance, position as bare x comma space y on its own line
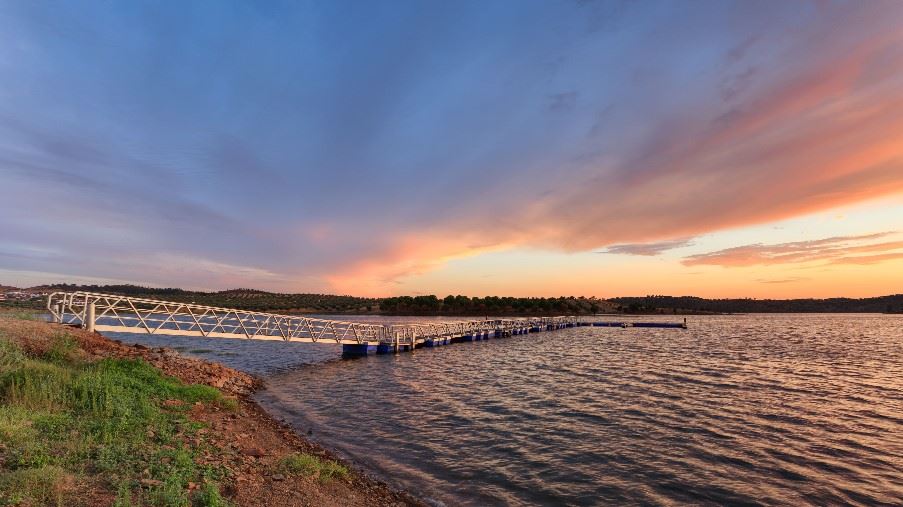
122, 314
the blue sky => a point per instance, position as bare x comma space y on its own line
362, 147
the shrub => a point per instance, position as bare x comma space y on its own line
312, 466
209, 496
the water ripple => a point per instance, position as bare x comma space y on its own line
741, 410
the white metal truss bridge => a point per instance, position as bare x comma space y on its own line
122, 314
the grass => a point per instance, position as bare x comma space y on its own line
19, 314
44, 485
64, 420
209, 496
312, 466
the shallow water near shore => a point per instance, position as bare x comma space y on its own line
750, 409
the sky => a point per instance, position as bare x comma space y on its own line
596, 148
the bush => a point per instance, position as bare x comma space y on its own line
312, 466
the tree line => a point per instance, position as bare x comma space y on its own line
243, 299
491, 305
257, 300
881, 304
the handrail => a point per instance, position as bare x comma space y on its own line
115, 313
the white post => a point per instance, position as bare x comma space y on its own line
58, 313
89, 318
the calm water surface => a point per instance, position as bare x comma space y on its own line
759, 409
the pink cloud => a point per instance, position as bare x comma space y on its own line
836, 250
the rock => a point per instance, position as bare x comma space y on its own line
151, 482
139, 346
254, 452
278, 477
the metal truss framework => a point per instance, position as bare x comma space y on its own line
122, 314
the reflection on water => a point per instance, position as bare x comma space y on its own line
784, 409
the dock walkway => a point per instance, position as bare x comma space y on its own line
122, 314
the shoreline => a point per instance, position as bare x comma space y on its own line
363, 482
247, 443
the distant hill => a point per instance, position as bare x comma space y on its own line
257, 300
493, 305
245, 299
686, 304
251, 299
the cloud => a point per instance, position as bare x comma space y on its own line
835, 250
648, 249
330, 152
783, 280
868, 259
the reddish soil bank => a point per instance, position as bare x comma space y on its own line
249, 442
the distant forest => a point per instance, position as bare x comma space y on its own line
687, 304
492, 305
249, 299
245, 299
256, 300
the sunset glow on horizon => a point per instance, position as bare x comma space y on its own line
715, 149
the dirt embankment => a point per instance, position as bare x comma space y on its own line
246, 442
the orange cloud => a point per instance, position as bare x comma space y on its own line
837, 250
408, 255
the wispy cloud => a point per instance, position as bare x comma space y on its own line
648, 249
868, 259
835, 250
783, 280
401, 156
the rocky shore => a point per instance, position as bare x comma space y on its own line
258, 456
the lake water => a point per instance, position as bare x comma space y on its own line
753, 409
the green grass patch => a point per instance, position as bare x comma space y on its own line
20, 314
209, 496
61, 418
11, 356
62, 348
302, 463
45, 485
